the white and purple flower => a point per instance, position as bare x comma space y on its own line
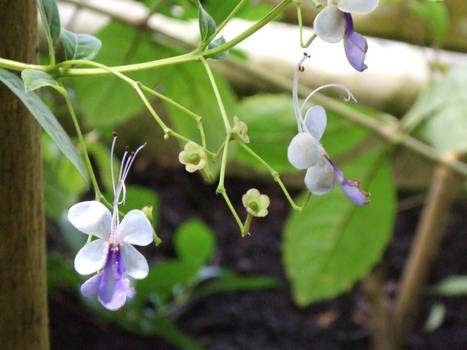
335, 23
306, 152
113, 251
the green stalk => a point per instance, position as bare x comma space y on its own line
254, 28
218, 95
87, 161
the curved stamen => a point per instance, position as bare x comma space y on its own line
295, 103
112, 149
131, 160
319, 88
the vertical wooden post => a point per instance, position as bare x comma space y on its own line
444, 189
23, 284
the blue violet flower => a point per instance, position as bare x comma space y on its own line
306, 152
113, 251
335, 23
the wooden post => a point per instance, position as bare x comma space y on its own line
23, 291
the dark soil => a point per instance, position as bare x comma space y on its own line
265, 319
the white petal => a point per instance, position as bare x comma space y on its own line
135, 263
91, 217
303, 151
315, 121
91, 257
357, 6
330, 24
135, 228
319, 179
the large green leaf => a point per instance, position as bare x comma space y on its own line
219, 10
271, 127
50, 20
194, 242
79, 46
44, 117
440, 112
333, 243
162, 279
106, 101
434, 13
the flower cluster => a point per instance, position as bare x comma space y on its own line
113, 252
335, 23
306, 152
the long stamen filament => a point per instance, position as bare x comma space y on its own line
298, 114
112, 149
339, 86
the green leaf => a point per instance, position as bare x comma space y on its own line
79, 46
451, 286
439, 113
434, 13
332, 243
435, 318
57, 198
218, 42
60, 272
44, 117
138, 197
233, 282
50, 20
166, 329
194, 242
207, 26
101, 155
106, 101
35, 79
271, 127
163, 277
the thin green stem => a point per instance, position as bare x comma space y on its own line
195, 116
275, 175
87, 161
19, 66
220, 186
65, 71
246, 225
232, 210
218, 95
226, 20
255, 27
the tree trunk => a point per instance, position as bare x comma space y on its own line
23, 292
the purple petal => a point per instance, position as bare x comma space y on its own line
113, 288
355, 45
91, 286
350, 187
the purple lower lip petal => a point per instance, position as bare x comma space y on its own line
355, 45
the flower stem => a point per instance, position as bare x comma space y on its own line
255, 27
218, 95
275, 175
82, 142
226, 20
246, 225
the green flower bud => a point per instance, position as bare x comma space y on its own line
147, 210
256, 203
193, 157
241, 130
